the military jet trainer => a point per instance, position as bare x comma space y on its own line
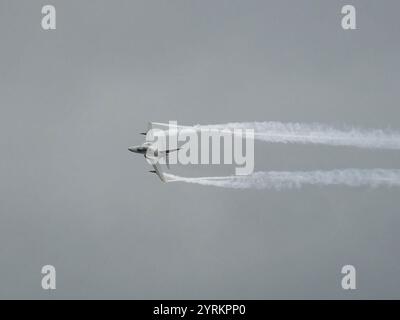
153, 153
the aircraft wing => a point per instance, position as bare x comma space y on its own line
166, 126
158, 171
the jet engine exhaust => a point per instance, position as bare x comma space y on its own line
280, 180
315, 133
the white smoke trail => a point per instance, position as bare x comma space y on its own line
296, 179
315, 133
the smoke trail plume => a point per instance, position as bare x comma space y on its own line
315, 134
296, 179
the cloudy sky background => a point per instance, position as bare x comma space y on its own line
72, 100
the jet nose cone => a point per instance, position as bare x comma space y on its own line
131, 149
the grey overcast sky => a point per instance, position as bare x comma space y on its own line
72, 100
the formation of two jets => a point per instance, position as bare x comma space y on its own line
154, 152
